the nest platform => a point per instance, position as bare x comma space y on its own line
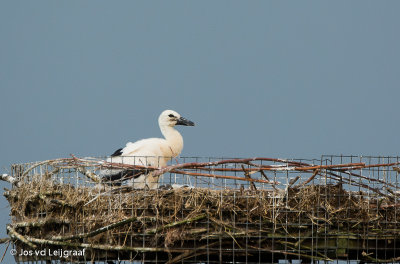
223, 211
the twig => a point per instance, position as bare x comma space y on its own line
36, 165
354, 183
89, 174
315, 173
293, 246
289, 253
39, 241
51, 173
97, 231
382, 165
247, 174
10, 179
41, 223
191, 253
16, 235
293, 181
4, 240
376, 260
5, 251
58, 202
365, 178
223, 177
348, 166
264, 175
186, 221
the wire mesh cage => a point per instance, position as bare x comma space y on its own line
209, 210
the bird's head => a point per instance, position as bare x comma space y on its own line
172, 118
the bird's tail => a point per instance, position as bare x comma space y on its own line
116, 177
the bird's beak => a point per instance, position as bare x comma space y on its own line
184, 122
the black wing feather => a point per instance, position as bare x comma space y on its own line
117, 178
118, 152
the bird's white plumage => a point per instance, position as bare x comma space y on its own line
155, 152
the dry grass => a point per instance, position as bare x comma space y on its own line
172, 219
188, 223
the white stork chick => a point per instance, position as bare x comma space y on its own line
154, 152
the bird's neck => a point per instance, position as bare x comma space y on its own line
174, 139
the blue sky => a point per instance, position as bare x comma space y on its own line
287, 79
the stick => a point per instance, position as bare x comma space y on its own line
290, 253
264, 175
186, 221
5, 251
4, 240
376, 260
36, 165
97, 231
89, 174
364, 177
247, 174
354, 183
39, 241
316, 171
191, 253
348, 166
223, 177
293, 181
16, 235
42, 223
10, 179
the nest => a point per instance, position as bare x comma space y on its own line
307, 221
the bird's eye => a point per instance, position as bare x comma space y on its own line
171, 115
